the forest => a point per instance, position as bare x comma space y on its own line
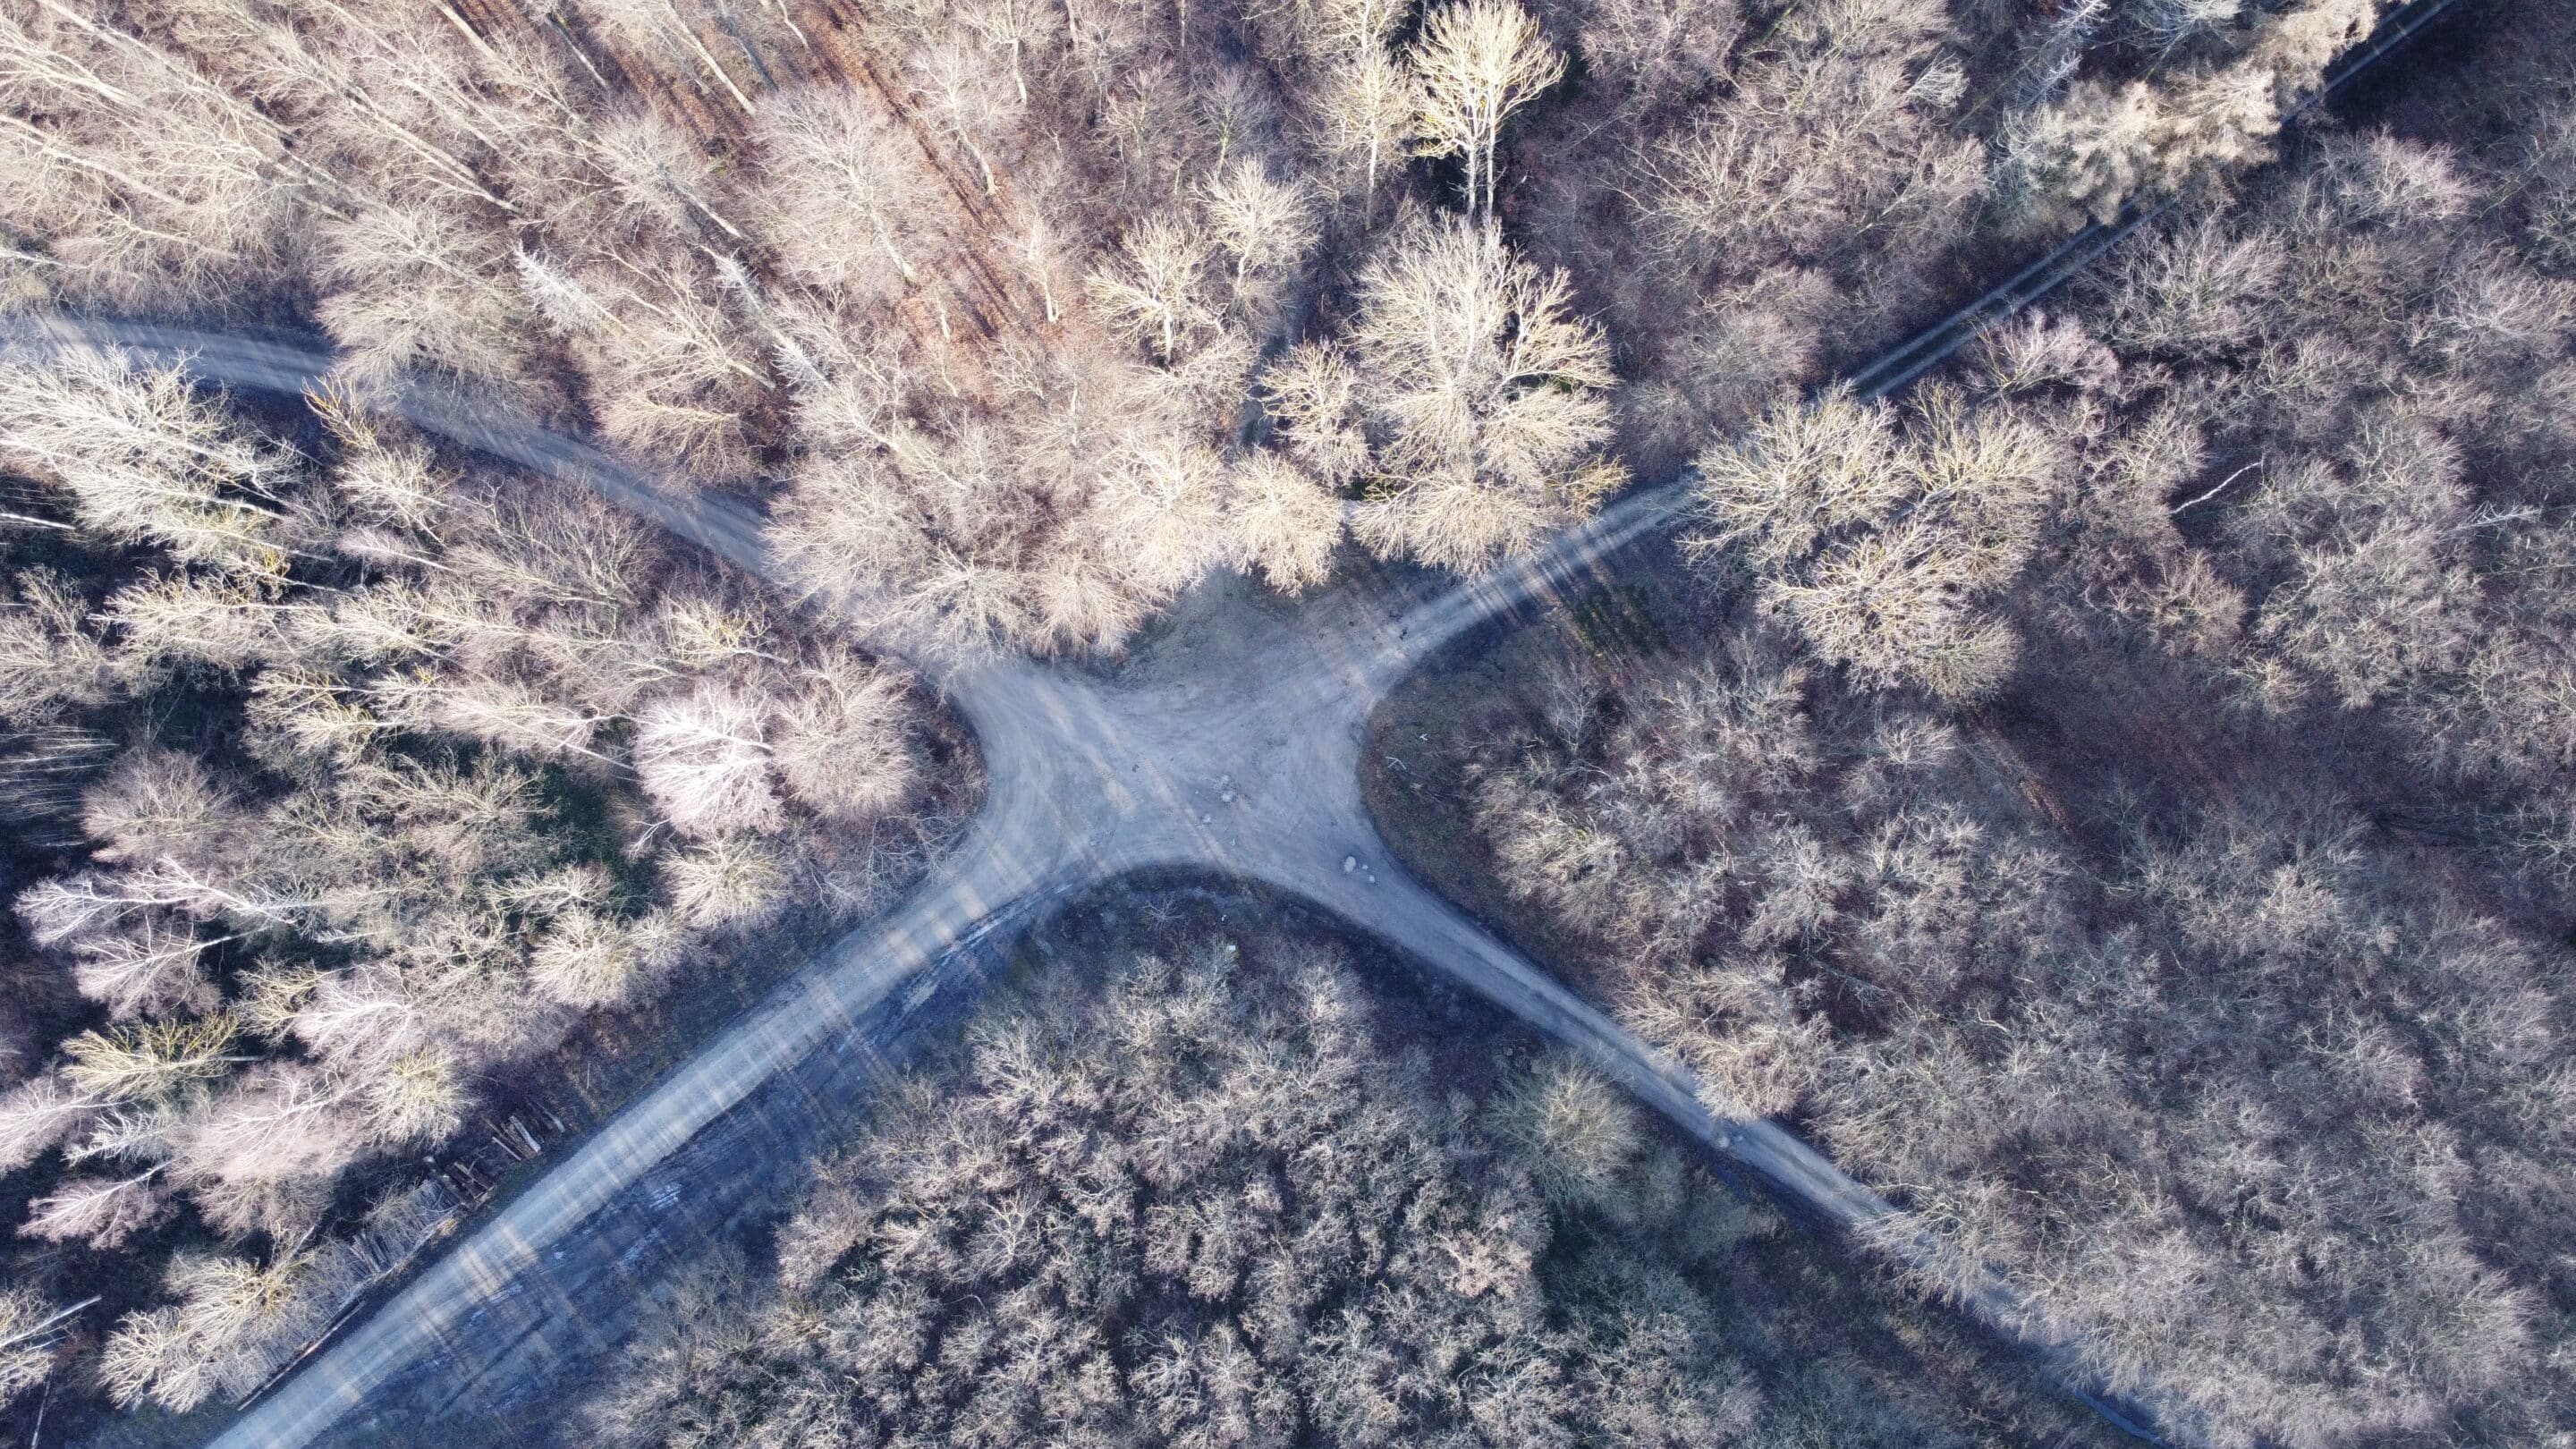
368, 781
982, 297
2119, 795
360, 790
1204, 1189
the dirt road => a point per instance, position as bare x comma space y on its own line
1230, 744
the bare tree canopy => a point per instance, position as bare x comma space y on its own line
2121, 791
1488, 396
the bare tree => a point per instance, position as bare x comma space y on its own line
417, 1098
231, 1316
728, 880
260, 1158
153, 969
840, 195
686, 372
840, 744
2196, 290
229, 620
153, 1059
1267, 226
1476, 63
417, 286
704, 758
99, 1211
586, 960
957, 89
2103, 145
1489, 395
155, 803
1878, 545
1579, 1132
1016, 28
1313, 394
1286, 524
1153, 288
662, 181
40, 1112
1366, 117
506, 712
142, 456
31, 1334
1162, 503
1660, 54
658, 27
51, 659
911, 544
1737, 190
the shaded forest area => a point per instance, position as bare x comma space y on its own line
2119, 799
1189, 1187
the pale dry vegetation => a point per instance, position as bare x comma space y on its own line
1751, 196
1168, 213
989, 297
1877, 532
2234, 73
980, 291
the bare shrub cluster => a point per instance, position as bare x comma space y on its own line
986, 285
1878, 542
1748, 193
1022, 318
2103, 144
2351, 514
2186, 1099
1163, 220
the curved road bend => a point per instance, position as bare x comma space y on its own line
1230, 745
